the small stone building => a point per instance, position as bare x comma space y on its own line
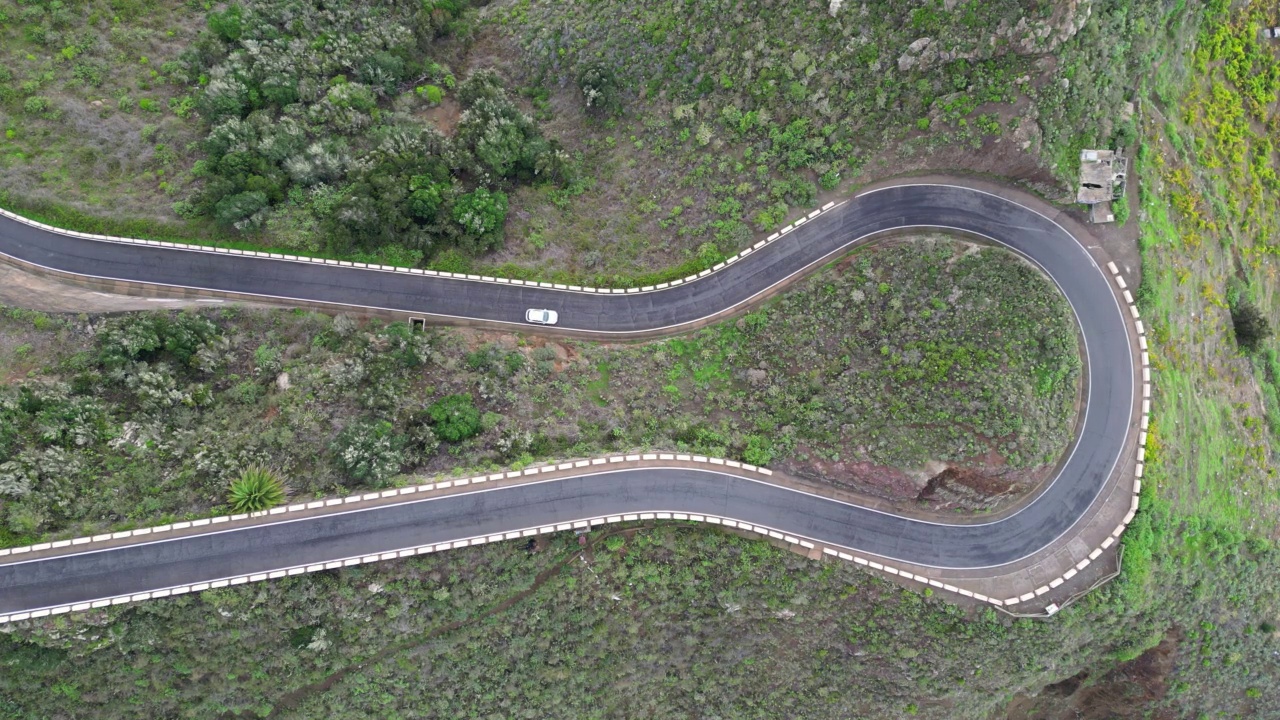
1102, 174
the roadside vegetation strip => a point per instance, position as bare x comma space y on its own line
429, 273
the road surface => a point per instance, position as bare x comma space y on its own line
82, 574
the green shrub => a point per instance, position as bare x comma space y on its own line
455, 418
1120, 208
759, 451
235, 210
36, 105
431, 93
600, 89
1251, 326
370, 450
227, 24
248, 392
148, 336
481, 215
256, 489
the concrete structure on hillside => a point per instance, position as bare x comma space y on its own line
1102, 174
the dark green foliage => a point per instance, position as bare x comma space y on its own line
600, 89
1251, 326
149, 336
306, 129
71, 422
426, 196
455, 418
227, 24
10, 416
492, 358
238, 210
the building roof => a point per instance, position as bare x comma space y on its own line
1098, 175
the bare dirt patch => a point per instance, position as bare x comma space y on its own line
1126, 692
444, 116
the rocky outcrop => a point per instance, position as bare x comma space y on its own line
1024, 37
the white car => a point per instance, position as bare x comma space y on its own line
541, 317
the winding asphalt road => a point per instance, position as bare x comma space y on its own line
92, 574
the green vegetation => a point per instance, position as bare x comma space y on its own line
312, 130
455, 418
256, 489
1251, 326
735, 114
90, 117
314, 139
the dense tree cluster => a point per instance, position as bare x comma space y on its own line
310, 107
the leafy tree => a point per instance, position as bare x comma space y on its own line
72, 422
256, 489
383, 70
481, 85
455, 418
500, 137
1251, 326
185, 334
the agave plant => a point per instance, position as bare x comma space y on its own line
256, 489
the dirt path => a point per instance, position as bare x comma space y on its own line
26, 290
